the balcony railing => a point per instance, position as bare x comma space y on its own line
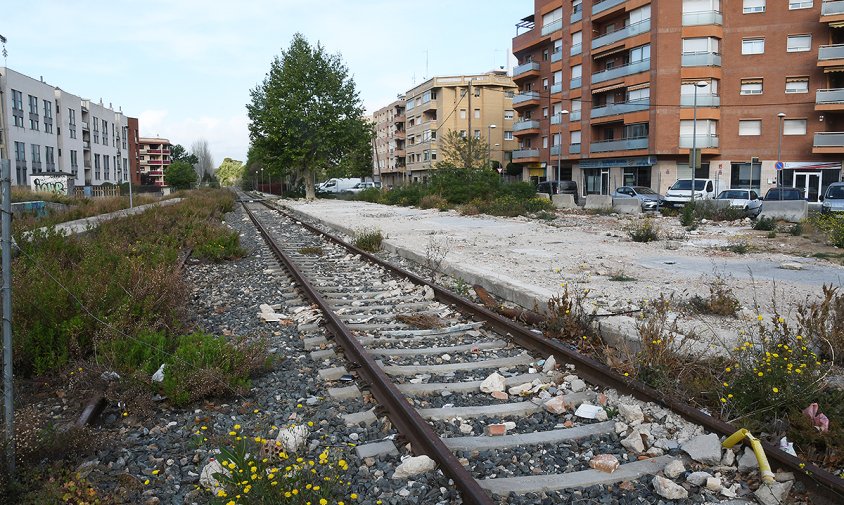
558, 56
703, 18
84, 125
832, 8
86, 144
557, 119
576, 16
604, 5
557, 88
704, 141
628, 31
525, 125
703, 100
629, 69
833, 52
829, 139
576, 49
574, 149
604, 146
702, 59
829, 96
525, 96
574, 115
527, 67
576, 82
552, 27
520, 154
555, 150
614, 109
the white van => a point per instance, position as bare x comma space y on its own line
681, 191
339, 185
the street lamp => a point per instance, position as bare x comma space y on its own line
489, 144
694, 158
262, 180
560, 145
781, 115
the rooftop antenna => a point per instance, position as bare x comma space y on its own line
5, 53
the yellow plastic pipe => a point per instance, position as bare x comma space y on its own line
756, 445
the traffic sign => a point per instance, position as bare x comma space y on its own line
779, 165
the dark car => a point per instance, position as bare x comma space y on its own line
776, 194
558, 188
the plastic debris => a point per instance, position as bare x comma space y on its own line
786, 446
587, 411
158, 376
819, 420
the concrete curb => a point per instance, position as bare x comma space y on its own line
81, 226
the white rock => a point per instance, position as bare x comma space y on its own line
775, 494
556, 405
550, 364
668, 489
620, 427
791, 266
601, 415
158, 376
510, 425
673, 469
577, 385
731, 491
698, 478
729, 458
704, 449
521, 389
634, 442
495, 382
206, 476
713, 484
293, 439
465, 428
747, 461
631, 413
446, 357
414, 465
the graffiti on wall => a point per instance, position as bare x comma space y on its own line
51, 184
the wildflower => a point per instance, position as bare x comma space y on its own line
776, 390
222, 493
723, 400
353, 496
298, 405
146, 482
232, 433
729, 369
310, 423
203, 428
155, 472
760, 317
231, 502
323, 501
236, 426
760, 374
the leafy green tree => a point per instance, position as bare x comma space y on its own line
180, 175
461, 151
230, 172
179, 153
306, 115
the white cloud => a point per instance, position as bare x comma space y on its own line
227, 136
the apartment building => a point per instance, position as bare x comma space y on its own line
441, 104
631, 87
153, 159
46, 130
389, 156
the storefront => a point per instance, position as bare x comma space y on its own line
812, 178
603, 176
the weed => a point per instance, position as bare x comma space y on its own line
644, 231
469, 209
536, 205
368, 239
570, 320
433, 202
545, 216
461, 287
796, 230
721, 300
708, 209
621, 276
830, 227
687, 215
822, 324
765, 224
435, 253
311, 251
371, 195
772, 234
738, 248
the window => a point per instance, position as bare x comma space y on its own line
545, 55
754, 6
552, 17
576, 6
640, 53
508, 114
696, 45
106, 170
97, 173
794, 127
36, 158
577, 71
638, 94
558, 77
545, 83
477, 135
705, 127
575, 137
799, 43
640, 14
105, 134
20, 151
477, 91
74, 162
799, 4
751, 86
544, 142
462, 134
33, 104
576, 38
752, 46
462, 114
694, 6
749, 127
555, 139
558, 45
477, 113
545, 112
743, 175
48, 116
508, 135
71, 122
50, 158
796, 84
17, 100
688, 88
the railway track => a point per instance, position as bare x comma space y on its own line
504, 412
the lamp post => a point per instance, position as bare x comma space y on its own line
693, 159
560, 145
262, 179
489, 144
781, 115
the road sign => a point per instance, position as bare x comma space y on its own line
779, 165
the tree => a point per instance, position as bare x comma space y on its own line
456, 150
204, 161
306, 115
230, 172
180, 175
179, 153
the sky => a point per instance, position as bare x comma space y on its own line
184, 68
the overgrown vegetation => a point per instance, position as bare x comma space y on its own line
368, 239
765, 224
644, 231
829, 227
721, 300
77, 208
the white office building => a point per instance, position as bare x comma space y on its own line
46, 130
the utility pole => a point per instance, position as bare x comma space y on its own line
469, 115
6, 264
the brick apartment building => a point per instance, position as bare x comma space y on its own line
153, 159
608, 92
389, 149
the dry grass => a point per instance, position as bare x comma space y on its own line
422, 321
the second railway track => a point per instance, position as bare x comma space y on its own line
424, 354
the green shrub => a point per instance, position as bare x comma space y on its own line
520, 190
460, 185
644, 231
796, 230
765, 224
687, 215
371, 195
407, 195
534, 205
505, 206
831, 227
433, 202
368, 240
707, 209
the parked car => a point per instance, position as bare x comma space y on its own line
784, 194
357, 188
745, 199
339, 185
650, 199
558, 188
833, 198
680, 192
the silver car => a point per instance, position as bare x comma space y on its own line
833, 198
744, 199
651, 200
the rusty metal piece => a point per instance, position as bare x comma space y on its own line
92, 411
521, 315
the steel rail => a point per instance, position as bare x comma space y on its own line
819, 481
406, 419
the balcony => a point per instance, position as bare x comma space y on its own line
576, 49
702, 59
704, 141
703, 18
558, 56
576, 82
576, 16
399, 119
604, 5
555, 150
615, 109
605, 146
628, 31
624, 70
703, 100
86, 144
557, 88
400, 153
525, 96
828, 143
85, 125
527, 68
525, 125
557, 119
574, 115
832, 12
829, 99
400, 134
574, 149
552, 27
829, 56
521, 154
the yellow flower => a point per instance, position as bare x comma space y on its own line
310, 423
237, 426
323, 501
146, 482
203, 428
298, 405
231, 502
723, 400
155, 472
353, 496
760, 318
232, 433
221, 493
760, 374
776, 390
247, 489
